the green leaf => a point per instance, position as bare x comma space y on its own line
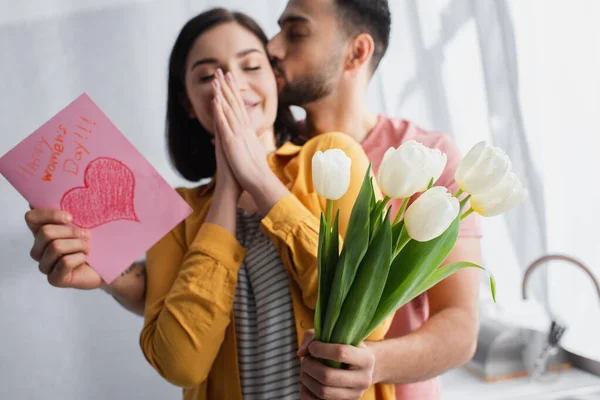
373, 201
492, 285
354, 248
442, 273
396, 232
372, 217
388, 216
375, 219
362, 299
430, 184
321, 257
413, 265
376, 216
327, 260
334, 246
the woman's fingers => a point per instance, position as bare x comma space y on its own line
61, 275
243, 114
229, 115
231, 100
58, 249
222, 126
38, 217
234, 106
48, 233
219, 155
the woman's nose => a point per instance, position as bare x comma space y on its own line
240, 80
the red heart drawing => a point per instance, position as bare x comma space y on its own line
107, 195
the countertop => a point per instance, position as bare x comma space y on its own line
459, 384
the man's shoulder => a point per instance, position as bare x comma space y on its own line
396, 131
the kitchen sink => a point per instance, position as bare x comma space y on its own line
585, 364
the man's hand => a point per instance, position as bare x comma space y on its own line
320, 381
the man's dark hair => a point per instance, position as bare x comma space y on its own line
367, 16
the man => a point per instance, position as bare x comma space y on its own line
324, 58
325, 55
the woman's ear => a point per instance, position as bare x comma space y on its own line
187, 106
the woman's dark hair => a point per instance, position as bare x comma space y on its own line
190, 147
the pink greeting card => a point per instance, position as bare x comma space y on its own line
80, 162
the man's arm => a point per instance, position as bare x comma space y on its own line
448, 339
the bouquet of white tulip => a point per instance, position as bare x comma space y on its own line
383, 264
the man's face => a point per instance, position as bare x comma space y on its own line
308, 52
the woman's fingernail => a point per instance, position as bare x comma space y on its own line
229, 77
220, 73
84, 233
67, 217
217, 83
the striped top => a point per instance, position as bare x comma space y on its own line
264, 318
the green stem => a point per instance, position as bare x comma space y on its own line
404, 239
401, 211
466, 214
464, 202
333, 364
457, 195
330, 212
386, 200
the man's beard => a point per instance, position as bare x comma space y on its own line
310, 87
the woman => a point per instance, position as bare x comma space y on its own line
231, 290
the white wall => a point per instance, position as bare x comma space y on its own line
65, 344
559, 62
61, 344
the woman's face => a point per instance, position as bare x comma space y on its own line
234, 49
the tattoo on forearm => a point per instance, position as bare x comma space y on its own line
141, 273
140, 270
128, 270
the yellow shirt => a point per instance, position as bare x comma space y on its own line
189, 332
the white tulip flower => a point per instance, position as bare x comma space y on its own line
481, 169
507, 194
331, 173
431, 214
409, 169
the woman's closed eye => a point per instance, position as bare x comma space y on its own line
207, 78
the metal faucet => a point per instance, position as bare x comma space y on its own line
558, 328
557, 257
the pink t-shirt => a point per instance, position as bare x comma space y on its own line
390, 132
